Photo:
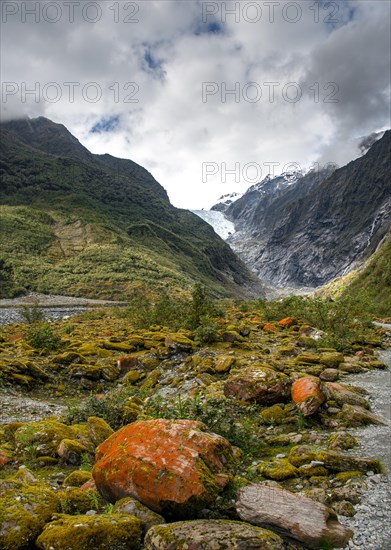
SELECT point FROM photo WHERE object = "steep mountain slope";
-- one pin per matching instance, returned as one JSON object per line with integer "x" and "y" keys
{"x": 370, "y": 282}
{"x": 94, "y": 225}
{"x": 320, "y": 226}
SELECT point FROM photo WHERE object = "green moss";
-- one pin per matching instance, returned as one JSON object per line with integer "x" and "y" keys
{"x": 24, "y": 510}
{"x": 78, "y": 501}
{"x": 43, "y": 436}
{"x": 77, "y": 478}
{"x": 279, "y": 469}
{"x": 100, "y": 532}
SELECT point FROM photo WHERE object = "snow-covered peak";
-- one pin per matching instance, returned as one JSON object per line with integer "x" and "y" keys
{"x": 225, "y": 201}
{"x": 270, "y": 184}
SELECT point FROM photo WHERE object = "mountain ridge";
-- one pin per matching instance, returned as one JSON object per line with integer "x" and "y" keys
{"x": 54, "y": 189}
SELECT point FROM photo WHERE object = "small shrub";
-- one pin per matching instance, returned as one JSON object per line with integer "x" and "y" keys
{"x": 207, "y": 331}
{"x": 110, "y": 408}
{"x": 32, "y": 314}
{"x": 43, "y": 337}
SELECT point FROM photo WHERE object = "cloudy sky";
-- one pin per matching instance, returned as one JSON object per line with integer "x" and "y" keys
{"x": 209, "y": 96}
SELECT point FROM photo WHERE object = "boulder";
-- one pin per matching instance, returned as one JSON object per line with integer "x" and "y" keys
{"x": 332, "y": 359}
{"x": 134, "y": 508}
{"x": 72, "y": 451}
{"x": 98, "y": 430}
{"x": 352, "y": 415}
{"x": 341, "y": 395}
{"x": 171, "y": 466}
{"x": 211, "y": 534}
{"x": 343, "y": 463}
{"x": 26, "y": 505}
{"x": 261, "y": 384}
{"x": 179, "y": 342}
{"x": 307, "y": 395}
{"x": 278, "y": 469}
{"x": 329, "y": 375}
{"x": 294, "y": 516}
{"x": 224, "y": 363}
{"x": 97, "y": 532}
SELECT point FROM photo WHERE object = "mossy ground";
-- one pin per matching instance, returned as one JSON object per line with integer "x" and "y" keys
{"x": 182, "y": 382}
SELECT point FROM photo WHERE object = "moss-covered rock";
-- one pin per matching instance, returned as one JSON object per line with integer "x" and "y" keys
{"x": 77, "y": 478}
{"x": 208, "y": 534}
{"x": 72, "y": 451}
{"x": 342, "y": 441}
{"x": 43, "y": 436}
{"x": 75, "y": 501}
{"x": 273, "y": 415}
{"x": 301, "y": 454}
{"x": 352, "y": 415}
{"x": 24, "y": 510}
{"x": 278, "y": 469}
{"x": 332, "y": 359}
{"x": 344, "y": 508}
{"x": 98, "y": 430}
{"x": 343, "y": 462}
{"x": 224, "y": 363}
{"x": 134, "y": 508}
{"x": 179, "y": 342}
{"x": 312, "y": 469}
{"x": 98, "y": 532}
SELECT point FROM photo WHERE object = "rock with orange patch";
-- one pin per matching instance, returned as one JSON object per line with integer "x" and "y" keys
{"x": 307, "y": 395}
{"x": 5, "y": 457}
{"x": 269, "y": 328}
{"x": 126, "y": 363}
{"x": 287, "y": 322}
{"x": 174, "y": 467}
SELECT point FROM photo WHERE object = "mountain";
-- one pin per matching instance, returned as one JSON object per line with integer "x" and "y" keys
{"x": 225, "y": 201}
{"x": 94, "y": 225}
{"x": 321, "y": 225}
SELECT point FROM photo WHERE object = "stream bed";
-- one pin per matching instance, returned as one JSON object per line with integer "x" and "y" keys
{"x": 372, "y": 522}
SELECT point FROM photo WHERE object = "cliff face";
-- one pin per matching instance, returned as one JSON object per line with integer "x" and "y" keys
{"x": 320, "y": 226}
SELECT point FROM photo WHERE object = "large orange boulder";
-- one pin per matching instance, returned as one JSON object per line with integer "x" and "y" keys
{"x": 260, "y": 384}
{"x": 307, "y": 394}
{"x": 174, "y": 467}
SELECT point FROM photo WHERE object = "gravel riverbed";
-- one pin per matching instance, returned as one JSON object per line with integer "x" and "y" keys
{"x": 372, "y": 522}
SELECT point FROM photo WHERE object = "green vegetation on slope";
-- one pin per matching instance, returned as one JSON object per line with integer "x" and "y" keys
{"x": 97, "y": 226}
{"x": 373, "y": 284}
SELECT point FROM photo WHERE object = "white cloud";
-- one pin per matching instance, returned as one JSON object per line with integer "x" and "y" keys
{"x": 172, "y": 51}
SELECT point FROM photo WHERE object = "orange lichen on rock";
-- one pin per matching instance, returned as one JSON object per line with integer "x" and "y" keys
{"x": 287, "y": 322}
{"x": 307, "y": 394}
{"x": 168, "y": 465}
{"x": 269, "y": 328}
